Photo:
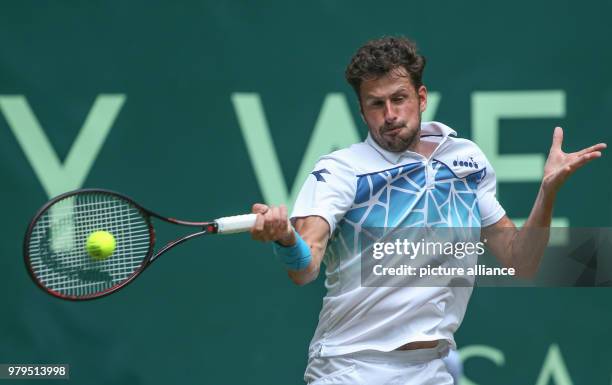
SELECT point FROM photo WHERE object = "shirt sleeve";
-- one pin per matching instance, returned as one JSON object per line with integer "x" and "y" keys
{"x": 328, "y": 192}
{"x": 490, "y": 209}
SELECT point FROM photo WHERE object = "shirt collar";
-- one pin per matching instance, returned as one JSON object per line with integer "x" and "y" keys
{"x": 427, "y": 129}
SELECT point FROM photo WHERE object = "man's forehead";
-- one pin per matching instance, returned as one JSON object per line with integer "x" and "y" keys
{"x": 389, "y": 83}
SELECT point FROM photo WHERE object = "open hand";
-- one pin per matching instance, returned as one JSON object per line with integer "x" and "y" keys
{"x": 560, "y": 165}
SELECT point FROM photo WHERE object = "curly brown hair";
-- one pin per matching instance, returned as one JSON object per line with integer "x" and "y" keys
{"x": 380, "y": 56}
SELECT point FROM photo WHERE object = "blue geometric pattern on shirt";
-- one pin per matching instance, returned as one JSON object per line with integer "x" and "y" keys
{"x": 399, "y": 197}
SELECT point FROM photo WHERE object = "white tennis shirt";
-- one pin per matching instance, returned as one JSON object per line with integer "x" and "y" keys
{"x": 367, "y": 186}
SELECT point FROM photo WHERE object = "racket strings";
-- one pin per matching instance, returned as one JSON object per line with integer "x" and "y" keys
{"x": 57, "y": 247}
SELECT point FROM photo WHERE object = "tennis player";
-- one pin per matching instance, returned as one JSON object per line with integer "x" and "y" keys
{"x": 406, "y": 173}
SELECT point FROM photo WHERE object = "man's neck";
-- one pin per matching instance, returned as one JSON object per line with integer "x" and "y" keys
{"x": 426, "y": 148}
{"x": 422, "y": 147}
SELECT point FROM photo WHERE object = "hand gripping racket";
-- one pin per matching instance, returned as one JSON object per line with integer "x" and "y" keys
{"x": 59, "y": 258}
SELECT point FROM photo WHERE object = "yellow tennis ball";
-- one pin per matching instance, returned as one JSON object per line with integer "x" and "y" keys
{"x": 100, "y": 244}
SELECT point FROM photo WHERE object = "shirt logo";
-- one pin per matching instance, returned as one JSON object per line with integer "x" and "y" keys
{"x": 318, "y": 175}
{"x": 465, "y": 163}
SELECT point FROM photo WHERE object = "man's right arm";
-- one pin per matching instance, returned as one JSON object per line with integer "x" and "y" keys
{"x": 272, "y": 224}
{"x": 314, "y": 230}
{"x": 326, "y": 195}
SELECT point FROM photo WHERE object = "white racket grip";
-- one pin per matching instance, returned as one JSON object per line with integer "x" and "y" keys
{"x": 235, "y": 224}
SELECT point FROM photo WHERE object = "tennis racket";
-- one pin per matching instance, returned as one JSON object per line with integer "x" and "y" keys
{"x": 55, "y": 244}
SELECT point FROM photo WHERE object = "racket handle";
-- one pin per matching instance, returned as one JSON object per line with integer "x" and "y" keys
{"x": 235, "y": 224}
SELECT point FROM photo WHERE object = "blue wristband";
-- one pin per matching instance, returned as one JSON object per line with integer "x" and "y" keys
{"x": 296, "y": 257}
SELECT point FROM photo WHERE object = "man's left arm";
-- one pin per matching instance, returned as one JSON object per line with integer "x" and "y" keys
{"x": 523, "y": 249}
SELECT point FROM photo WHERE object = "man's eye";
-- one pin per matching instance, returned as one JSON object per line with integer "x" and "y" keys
{"x": 378, "y": 103}
{"x": 398, "y": 99}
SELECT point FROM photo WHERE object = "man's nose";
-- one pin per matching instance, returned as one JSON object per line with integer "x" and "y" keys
{"x": 390, "y": 113}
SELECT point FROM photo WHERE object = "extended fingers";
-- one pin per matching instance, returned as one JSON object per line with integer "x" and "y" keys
{"x": 593, "y": 148}
{"x": 582, "y": 160}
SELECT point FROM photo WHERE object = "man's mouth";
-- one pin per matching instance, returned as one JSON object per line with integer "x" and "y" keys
{"x": 392, "y": 130}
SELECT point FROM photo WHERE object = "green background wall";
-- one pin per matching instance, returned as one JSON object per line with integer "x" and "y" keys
{"x": 221, "y": 310}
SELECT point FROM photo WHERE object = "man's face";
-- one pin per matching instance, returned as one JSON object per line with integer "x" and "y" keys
{"x": 392, "y": 108}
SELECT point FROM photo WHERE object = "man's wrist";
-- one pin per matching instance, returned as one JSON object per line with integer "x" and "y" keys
{"x": 288, "y": 240}
{"x": 548, "y": 193}
{"x": 542, "y": 211}
{"x": 296, "y": 256}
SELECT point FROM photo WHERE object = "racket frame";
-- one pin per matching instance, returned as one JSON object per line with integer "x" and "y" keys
{"x": 207, "y": 228}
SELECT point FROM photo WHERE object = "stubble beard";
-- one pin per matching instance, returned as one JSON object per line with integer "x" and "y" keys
{"x": 397, "y": 143}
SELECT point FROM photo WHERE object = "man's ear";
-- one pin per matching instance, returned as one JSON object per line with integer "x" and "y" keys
{"x": 422, "y": 92}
